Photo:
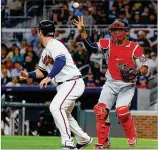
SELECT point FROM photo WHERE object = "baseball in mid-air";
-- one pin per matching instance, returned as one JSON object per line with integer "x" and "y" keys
{"x": 75, "y": 5}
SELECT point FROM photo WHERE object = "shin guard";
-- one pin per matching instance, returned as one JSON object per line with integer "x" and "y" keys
{"x": 103, "y": 124}
{"x": 125, "y": 119}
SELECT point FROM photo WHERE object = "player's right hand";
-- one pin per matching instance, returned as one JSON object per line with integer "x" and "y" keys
{"x": 79, "y": 23}
{"x": 23, "y": 75}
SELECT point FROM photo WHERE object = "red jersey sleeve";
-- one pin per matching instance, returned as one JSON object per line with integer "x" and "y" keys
{"x": 138, "y": 52}
{"x": 104, "y": 43}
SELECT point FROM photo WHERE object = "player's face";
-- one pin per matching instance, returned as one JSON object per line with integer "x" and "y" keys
{"x": 118, "y": 36}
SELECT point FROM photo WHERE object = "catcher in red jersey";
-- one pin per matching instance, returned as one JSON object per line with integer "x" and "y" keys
{"x": 125, "y": 62}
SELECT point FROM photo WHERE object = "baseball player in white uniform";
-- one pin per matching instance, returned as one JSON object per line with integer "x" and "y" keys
{"x": 56, "y": 63}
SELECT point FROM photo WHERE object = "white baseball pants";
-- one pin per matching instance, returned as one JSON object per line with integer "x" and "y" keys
{"x": 117, "y": 92}
{"x": 61, "y": 108}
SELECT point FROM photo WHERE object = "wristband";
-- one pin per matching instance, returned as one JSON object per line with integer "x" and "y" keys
{"x": 32, "y": 74}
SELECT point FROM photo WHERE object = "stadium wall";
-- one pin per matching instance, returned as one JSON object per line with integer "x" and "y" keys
{"x": 145, "y": 123}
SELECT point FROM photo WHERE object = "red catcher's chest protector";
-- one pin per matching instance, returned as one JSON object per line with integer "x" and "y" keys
{"x": 119, "y": 54}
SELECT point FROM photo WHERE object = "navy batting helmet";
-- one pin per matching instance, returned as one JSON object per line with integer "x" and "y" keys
{"x": 47, "y": 27}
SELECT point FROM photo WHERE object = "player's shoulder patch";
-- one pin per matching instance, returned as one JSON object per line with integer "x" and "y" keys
{"x": 104, "y": 43}
{"x": 142, "y": 59}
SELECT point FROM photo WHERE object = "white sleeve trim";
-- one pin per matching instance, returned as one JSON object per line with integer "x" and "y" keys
{"x": 134, "y": 51}
{"x": 100, "y": 47}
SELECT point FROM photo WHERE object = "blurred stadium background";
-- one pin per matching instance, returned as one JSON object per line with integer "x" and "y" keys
{"x": 25, "y": 107}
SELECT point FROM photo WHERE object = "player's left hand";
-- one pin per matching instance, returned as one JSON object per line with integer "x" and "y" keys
{"x": 44, "y": 82}
{"x": 79, "y": 23}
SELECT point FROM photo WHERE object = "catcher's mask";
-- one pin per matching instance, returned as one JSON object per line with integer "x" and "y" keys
{"x": 118, "y": 30}
{"x": 46, "y": 27}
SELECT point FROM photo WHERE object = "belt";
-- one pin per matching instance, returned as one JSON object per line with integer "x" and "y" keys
{"x": 76, "y": 77}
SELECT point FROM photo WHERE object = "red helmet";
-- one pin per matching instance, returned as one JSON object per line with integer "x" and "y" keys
{"x": 118, "y": 30}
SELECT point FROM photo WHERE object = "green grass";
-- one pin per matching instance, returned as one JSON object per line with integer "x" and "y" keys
{"x": 32, "y": 142}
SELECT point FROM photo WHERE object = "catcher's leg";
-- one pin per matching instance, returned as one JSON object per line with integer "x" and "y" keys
{"x": 122, "y": 109}
{"x": 106, "y": 100}
{"x": 127, "y": 123}
{"x": 103, "y": 125}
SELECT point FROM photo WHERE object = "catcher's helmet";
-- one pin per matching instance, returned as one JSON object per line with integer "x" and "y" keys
{"x": 47, "y": 27}
{"x": 119, "y": 24}
{"x": 118, "y": 30}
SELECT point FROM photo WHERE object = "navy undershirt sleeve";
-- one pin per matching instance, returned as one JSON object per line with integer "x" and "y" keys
{"x": 58, "y": 66}
{"x": 91, "y": 47}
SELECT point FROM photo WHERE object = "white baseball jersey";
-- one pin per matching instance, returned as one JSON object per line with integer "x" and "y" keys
{"x": 53, "y": 50}
{"x": 67, "y": 93}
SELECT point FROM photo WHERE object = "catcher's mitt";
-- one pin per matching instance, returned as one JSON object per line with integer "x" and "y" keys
{"x": 127, "y": 73}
